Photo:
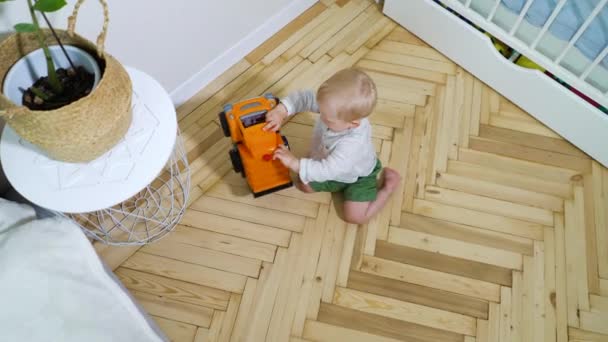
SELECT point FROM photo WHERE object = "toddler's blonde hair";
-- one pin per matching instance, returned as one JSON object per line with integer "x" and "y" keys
{"x": 350, "y": 92}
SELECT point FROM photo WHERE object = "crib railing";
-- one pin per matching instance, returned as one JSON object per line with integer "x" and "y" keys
{"x": 580, "y": 80}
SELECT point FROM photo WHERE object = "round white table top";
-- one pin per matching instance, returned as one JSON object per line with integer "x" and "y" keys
{"x": 108, "y": 180}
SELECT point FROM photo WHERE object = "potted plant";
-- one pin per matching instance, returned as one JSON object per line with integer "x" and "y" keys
{"x": 61, "y": 85}
{"x": 60, "y": 91}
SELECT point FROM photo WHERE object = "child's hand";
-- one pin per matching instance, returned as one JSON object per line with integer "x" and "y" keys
{"x": 287, "y": 158}
{"x": 275, "y": 117}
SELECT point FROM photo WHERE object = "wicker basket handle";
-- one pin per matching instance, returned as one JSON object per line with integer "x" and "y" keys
{"x": 12, "y": 111}
{"x": 106, "y": 19}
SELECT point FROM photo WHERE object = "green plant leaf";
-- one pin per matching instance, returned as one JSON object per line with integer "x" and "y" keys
{"x": 49, "y": 5}
{"x": 5, "y": 1}
{"x": 25, "y": 27}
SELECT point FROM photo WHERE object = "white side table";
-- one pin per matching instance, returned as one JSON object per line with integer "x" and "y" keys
{"x": 133, "y": 194}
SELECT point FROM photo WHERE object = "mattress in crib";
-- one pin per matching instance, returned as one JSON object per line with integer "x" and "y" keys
{"x": 565, "y": 25}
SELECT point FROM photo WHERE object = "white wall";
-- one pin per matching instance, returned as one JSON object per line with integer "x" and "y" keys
{"x": 184, "y": 44}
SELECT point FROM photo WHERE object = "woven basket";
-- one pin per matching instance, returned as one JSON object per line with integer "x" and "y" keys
{"x": 84, "y": 129}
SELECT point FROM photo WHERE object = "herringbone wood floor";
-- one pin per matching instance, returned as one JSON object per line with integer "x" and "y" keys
{"x": 499, "y": 231}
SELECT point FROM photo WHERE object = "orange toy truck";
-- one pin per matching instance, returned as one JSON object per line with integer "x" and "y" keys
{"x": 253, "y": 147}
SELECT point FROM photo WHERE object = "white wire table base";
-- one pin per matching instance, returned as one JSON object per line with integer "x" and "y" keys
{"x": 150, "y": 214}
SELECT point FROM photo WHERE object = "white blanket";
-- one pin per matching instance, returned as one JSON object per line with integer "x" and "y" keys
{"x": 53, "y": 287}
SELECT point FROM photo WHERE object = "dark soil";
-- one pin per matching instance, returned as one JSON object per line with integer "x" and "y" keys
{"x": 77, "y": 83}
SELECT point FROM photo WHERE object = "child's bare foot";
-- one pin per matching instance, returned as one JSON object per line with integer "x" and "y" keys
{"x": 362, "y": 212}
{"x": 390, "y": 179}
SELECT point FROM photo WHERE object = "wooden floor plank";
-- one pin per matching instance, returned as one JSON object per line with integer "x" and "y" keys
{"x": 173, "y": 289}
{"x": 186, "y": 272}
{"x": 331, "y": 250}
{"x": 476, "y": 107}
{"x": 114, "y": 256}
{"x": 269, "y": 217}
{"x": 213, "y": 87}
{"x": 403, "y": 84}
{"x": 530, "y": 154}
{"x": 411, "y": 61}
{"x": 417, "y": 294}
{"x": 501, "y": 192}
{"x": 483, "y": 330}
{"x": 600, "y": 202}
{"x": 319, "y": 331}
{"x": 591, "y": 245}
{"x": 539, "y": 291}
{"x": 505, "y": 314}
{"x": 490, "y": 205}
{"x": 325, "y": 30}
{"x": 493, "y": 333}
{"x": 467, "y": 104}
{"x": 578, "y": 335}
{"x": 212, "y": 335}
{"x": 433, "y": 279}
{"x": 295, "y": 38}
{"x": 285, "y": 33}
{"x": 221, "y": 96}
{"x": 457, "y": 106}
{"x": 400, "y": 34}
{"x": 455, "y": 248}
{"x": 594, "y": 321}
{"x": 411, "y": 175}
{"x": 503, "y": 121}
{"x": 550, "y": 266}
{"x": 531, "y": 140}
{"x": 405, "y": 311}
{"x": 461, "y": 267}
{"x": 338, "y": 42}
{"x": 241, "y": 194}
{"x": 223, "y": 243}
{"x": 284, "y": 308}
{"x": 347, "y": 255}
{"x": 205, "y": 257}
{"x": 309, "y": 290}
{"x": 238, "y": 228}
{"x": 243, "y": 315}
{"x": 426, "y": 150}
{"x": 400, "y": 159}
{"x": 229, "y": 317}
{"x": 469, "y": 234}
{"x": 445, "y": 119}
{"x": 516, "y": 165}
{"x": 176, "y": 331}
{"x": 561, "y": 297}
{"x": 533, "y": 184}
{"x": 401, "y": 70}
{"x": 478, "y": 219}
{"x": 383, "y": 326}
{"x": 517, "y": 302}
{"x": 178, "y": 311}
{"x": 412, "y": 50}
{"x": 266, "y": 291}
{"x": 380, "y": 30}
{"x": 576, "y": 255}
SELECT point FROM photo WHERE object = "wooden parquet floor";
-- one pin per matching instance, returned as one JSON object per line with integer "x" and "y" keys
{"x": 499, "y": 230}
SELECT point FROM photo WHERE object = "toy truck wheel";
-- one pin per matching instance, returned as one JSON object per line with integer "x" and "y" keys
{"x": 237, "y": 163}
{"x": 285, "y": 141}
{"x": 224, "y": 124}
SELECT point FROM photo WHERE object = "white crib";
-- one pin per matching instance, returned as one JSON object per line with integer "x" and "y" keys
{"x": 569, "y": 38}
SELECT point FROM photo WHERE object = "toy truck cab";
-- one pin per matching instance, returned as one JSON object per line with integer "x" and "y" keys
{"x": 253, "y": 147}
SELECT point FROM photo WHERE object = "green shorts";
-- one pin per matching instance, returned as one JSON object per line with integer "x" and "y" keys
{"x": 364, "y": 189}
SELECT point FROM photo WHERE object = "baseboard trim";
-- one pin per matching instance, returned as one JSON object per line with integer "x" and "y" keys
{"x": 237, "y": 52}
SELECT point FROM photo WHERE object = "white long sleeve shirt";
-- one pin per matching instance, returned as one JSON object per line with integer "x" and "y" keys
{"x": 338, "y": 156}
